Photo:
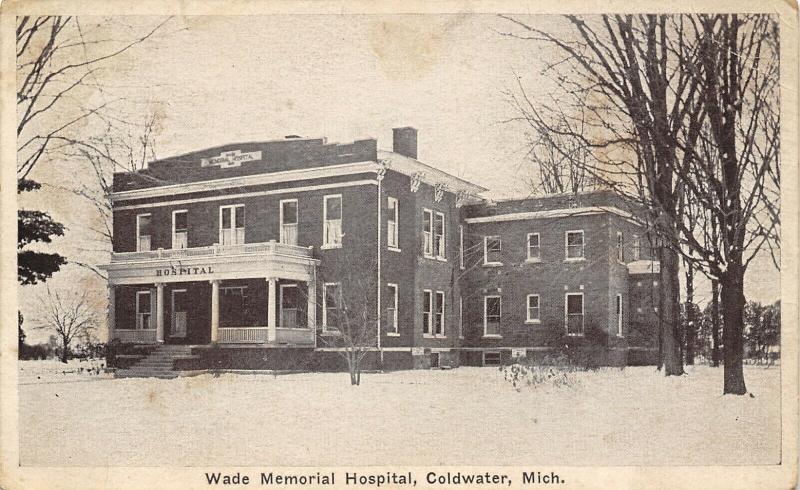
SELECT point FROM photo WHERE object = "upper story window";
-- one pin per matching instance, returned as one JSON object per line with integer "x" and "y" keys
{"x": 534, "y": 248}
{"x": 391, "y": 309}
{"x": 574, "y": 245}
{"x": 492, "y": 248}
{"x": 180, "y": 229}
{"x": 620, "y": 247}
{"x": 427, "y": 232}
{"x": 392, "y": 223}
{"x": 288, "y": 222}
{"x": 438, "y": 236}
{"x": 332, "y": 233}
{"x": 231, "y": 225}
{"x": 143, "y": 233}
{"x": 574, "y": 313}
{"x": 635, "y": 247}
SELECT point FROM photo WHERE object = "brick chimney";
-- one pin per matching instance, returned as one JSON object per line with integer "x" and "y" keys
{"x": 404, "y": 141}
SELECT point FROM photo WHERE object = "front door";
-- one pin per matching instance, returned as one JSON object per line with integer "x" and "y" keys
{"x": 178, "y": 313}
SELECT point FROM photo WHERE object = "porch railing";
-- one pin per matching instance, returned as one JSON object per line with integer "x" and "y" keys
{"x": 242, "y": 335}
{"x": 271, "y": 247}
{"x": 145, "y": 336}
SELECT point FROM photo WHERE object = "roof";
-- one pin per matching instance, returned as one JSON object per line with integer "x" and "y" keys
{"x": 410, "y": 166}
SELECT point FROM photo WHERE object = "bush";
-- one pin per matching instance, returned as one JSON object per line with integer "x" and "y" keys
{"x": 555, "y": 370}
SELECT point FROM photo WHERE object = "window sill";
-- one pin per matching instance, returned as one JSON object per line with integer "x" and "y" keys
{"x": 533, "y": 261}
{"x": 392, "y": 334}
{"x": 575, "y": 259}
{"x": 331, "y": 246}
{"x": 574, "y": 335}
{"x": 492, "y": 336}
{"x": 533, "y": 322}
{"x": 393, "y": 249}
{"x": 441, "y": 259}
{"x": 331, "y": 333}
{"x": 492, "y": 264}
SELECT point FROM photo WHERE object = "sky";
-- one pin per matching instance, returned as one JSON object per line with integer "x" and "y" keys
{"x": 215, "y": 80}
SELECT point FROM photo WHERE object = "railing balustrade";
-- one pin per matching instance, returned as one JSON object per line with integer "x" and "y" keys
{"x": 271, "y": 247}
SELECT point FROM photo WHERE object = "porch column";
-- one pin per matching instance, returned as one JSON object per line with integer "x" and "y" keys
{"x": 312, "y": 304}
{"x": 112, "y": 305}
{"x": 272, "y": 322}
{"x": 160, "y": 312}
{"x": 214, "y": 311}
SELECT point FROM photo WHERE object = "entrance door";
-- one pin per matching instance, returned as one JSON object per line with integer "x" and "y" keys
{"x": 178, "y": 313}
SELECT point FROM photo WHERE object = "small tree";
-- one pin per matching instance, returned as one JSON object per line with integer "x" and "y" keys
{"x": 70, "y": 315}
{"x": 351, "y": 314}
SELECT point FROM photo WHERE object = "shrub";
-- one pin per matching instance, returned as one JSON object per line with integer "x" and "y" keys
{"x": 555, "y": 370}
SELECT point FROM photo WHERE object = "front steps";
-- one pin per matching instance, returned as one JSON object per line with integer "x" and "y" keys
{"x": 159, "y": 364}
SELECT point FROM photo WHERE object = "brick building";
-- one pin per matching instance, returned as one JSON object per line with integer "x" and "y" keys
{"x": 232, "y": 257}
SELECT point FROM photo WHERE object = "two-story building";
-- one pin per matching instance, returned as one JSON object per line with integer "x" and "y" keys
{"x": 242, "y": 255}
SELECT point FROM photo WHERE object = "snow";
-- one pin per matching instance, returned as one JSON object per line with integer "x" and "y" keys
{"x": 461, "y": 416}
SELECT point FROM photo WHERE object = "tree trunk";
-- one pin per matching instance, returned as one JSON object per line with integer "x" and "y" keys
{"x": 64, "y": 350}
{"x": 733, "y": 329}
{"x": 691, "y": 332}
{"x": 715, "y": 323}
{"x": 671, "y": 316}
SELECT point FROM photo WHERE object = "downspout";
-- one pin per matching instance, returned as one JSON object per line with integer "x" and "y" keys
{"x": 380, "y": 174}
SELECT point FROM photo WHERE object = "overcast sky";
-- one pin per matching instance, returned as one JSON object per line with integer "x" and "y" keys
{"x": 217, "y": 80}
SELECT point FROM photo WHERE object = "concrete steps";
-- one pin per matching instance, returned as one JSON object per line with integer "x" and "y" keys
{"x": 159, "y": 364}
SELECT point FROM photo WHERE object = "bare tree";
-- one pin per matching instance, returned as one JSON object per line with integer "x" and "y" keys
{"x": 350, "y": 312}
{"x": 627, "y": 93}
{"x": 58, "y": 63}
{"x": 70, "y": 315}
{"x": 679, "y": 83}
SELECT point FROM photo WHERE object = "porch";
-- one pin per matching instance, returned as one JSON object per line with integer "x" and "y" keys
{"x": 260, "y": 294}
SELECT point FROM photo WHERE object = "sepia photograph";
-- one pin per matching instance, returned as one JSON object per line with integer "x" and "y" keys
{"x": 326, "y": 246}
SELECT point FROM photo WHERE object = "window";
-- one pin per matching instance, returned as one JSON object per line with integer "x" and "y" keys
{"x": 333, "y": 221}
{"x": 331, "y": 302}
{"x": 143, "y": 237}
{"x": 574, "y": 245}
{"x": 180, "y": 229}
{"x": 427, "y": 232}
{"x": 427, "y": 312}
{"x": 574, "y": 313}
{"x": 438, "y": 318}
{"x": 143, "y": 310}
{"x": 290, "y": 300}
{"x": 492, "y": 358}
{"x": 231, "y": 225}
{"x": 288, "y": 219}
{"x": 533, "y": 308}
{"x": 534, "y": 250}
{"x": 391, "y": 310}
{"x": 618, "y": 308}
{"x": 492, "y": 247}
{"x": 492, "y": 309}
{"x": 438, "y": 236}
{"x": 460, "y": 317}
{"x": 636, "y": 246}
{"x": 461, "y": 246}
{"x": 620, "y": 247}
{"x": 392, "y": 228}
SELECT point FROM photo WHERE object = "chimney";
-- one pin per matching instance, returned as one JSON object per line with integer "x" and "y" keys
{"x": 404, "y": 141}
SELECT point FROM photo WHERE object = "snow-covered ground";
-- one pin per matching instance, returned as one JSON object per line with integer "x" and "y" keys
{"x": 463, "y": 416}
